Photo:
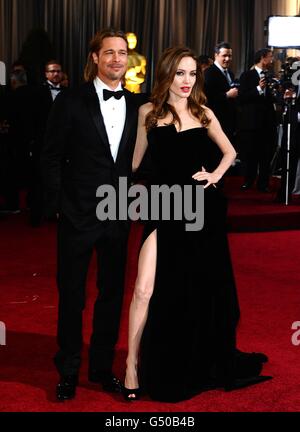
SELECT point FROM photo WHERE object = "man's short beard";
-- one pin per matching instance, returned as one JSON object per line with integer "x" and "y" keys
{"x": 115, "y": 76}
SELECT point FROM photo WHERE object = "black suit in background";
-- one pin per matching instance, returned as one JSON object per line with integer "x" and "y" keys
{"x": 256, "y": 129}
{"x": 76, "y": 160}
{"x": 42, "y": 106}
{"x": 216, "y": 86}
{"x": 17, "y": 108}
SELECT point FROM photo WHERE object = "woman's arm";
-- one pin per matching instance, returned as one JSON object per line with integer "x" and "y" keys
{"x": 217, "y": 135}
{"x": 141, "y": 143}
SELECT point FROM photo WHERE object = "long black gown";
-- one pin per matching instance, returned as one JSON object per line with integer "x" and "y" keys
{"x": 188, "y": 342}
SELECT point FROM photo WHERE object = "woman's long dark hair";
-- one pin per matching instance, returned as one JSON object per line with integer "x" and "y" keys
{"x": 165, "y": 73}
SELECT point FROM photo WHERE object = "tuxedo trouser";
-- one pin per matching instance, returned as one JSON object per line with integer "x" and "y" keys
{"x": 75, "y": 250}
{"x": 256, "y": 153}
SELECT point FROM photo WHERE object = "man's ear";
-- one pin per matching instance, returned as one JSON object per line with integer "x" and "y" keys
{"x": 95, "y": 58}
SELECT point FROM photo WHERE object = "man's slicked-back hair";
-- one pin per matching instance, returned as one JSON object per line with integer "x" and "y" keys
{"x": 221, "y": 45}
{"x": 51, "y": 62}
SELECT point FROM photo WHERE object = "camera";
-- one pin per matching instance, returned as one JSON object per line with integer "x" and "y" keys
{"x": 269, "y": 78}
{"x": 273, "y": 84}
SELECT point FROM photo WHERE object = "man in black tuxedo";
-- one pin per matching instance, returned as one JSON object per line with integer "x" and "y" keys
{"x": 257, "y": 122}
{"x": 89, "y": 142}
{"x": 220, "y": 90}
{"x": 43, "y": 101}
{"x": 48, "y": 91}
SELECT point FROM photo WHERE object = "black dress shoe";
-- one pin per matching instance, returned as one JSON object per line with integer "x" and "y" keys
{"x": 108, "y": 381}
{"x": 66, "y": 388}
{"x": 246, "y": 186}
{"x": 263, "y": 189}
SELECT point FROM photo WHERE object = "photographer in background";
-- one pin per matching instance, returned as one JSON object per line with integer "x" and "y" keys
{"x": 257, "y": 122}
{"x": 220, "y": 89}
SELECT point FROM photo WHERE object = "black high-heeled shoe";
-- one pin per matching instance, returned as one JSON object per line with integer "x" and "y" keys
{"x": 131, "y": 394}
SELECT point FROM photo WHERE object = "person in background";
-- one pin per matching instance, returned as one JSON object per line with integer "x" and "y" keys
{"x": 205, "y": 61}
{"x": 18, "y": 116}
{"x": 65, "y": 80}
{"x": 45, "y": 97}
{"x": 257, "y": 122}
{"x": 221, "y": 90}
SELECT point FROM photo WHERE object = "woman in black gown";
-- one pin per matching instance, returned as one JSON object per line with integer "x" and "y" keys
{"x": 183, "y": 314}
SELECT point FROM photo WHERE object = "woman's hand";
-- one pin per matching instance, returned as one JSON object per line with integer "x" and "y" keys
{"x": 203, "y": 175}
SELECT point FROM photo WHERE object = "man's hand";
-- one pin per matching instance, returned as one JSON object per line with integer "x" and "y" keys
{"x": 262, "y": 83}
{"x": 232, "y": 93}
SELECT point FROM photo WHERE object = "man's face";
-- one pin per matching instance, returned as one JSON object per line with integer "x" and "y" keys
{"x": 268, "y": 60}
{"x": 224, "y": 57}
{"x": 111, "y": 60}
{"x": 54, "y": 73}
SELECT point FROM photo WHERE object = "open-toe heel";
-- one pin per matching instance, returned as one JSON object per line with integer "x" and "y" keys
{"x": 131, "y": 394}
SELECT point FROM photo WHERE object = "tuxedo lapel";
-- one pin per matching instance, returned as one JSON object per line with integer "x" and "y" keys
{"x": 93, "y": 106}
{"x": 220, "y": 74}
{"x": 255, "y": 77}
{"x": 130, "y": 115}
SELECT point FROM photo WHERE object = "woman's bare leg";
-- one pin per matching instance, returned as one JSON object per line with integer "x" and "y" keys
{"x": 139, "y": 307}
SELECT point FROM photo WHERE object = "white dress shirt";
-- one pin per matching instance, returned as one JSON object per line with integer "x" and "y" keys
{"x": 259, "y": 89}
{"x": 114, "y": 114}
{"x": 54, "y": 93}
{"x": 224, "y": 71}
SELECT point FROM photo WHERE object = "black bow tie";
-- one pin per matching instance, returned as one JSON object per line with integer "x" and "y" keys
{"x": 107, "y": 94}
{"x": 51, "y": 87}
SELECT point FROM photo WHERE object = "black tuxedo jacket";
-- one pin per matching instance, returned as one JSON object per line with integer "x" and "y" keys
{"x": 215, "y": 87}
{"x": 42, "y": 106}
{"x": 255, "y": 111}
{"x": 76, "y": 158}
{"x": 45, "y": 99}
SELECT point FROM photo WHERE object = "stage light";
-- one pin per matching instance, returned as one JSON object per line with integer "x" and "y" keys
{"x": 283, "y": 31}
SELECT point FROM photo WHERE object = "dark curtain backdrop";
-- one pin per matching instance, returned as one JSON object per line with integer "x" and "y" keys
{"x": 158, "y": 24}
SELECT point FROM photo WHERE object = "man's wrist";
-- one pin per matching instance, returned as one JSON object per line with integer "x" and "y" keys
{"x": 260, "y": 90}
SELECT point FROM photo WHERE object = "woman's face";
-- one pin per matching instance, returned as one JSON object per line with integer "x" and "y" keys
{"x": 185, "y": 78}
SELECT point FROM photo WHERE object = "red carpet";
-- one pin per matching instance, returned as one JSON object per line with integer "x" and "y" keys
{"x": 254, "y": 211}
{"x": 266, "y": 267}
